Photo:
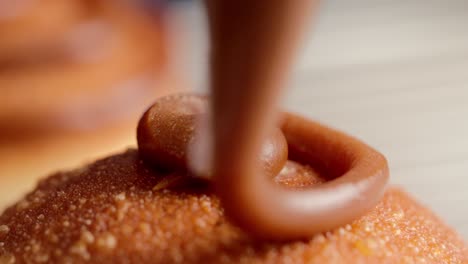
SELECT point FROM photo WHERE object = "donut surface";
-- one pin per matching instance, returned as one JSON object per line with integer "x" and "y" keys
{"x": 119, "y": 210}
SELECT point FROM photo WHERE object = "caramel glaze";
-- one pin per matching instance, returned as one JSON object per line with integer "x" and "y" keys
{"x": 358, "y": 174}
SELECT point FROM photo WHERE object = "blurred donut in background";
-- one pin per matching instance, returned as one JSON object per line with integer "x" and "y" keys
{"x": 104, "y": 68}
{"x": 74, "y": 76}
{"x": 27, "y": 26}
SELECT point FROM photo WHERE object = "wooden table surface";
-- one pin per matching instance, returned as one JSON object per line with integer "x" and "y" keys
{"x": 395, "y": 74}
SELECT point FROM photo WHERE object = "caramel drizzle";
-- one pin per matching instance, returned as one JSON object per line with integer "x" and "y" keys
{"x": 254, "y": 201}
{"x": 252, "y": 48}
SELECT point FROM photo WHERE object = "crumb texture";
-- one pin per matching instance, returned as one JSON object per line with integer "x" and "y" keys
{"x": 117, "y": 210}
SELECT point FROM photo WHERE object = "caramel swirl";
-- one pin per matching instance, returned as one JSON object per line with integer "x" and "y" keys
{"x": 253, "y": 201}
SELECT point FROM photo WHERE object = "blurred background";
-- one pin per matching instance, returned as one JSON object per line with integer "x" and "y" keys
{"x": 392, "y": 72}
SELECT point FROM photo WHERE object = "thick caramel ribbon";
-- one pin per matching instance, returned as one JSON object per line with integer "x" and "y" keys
{"x": 254, "y": 201}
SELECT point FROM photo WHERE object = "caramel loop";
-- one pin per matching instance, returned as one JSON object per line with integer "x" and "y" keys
{"x": 257, "y": 204}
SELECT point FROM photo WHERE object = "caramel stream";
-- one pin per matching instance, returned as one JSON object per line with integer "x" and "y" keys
{"x": 252, "y": 47}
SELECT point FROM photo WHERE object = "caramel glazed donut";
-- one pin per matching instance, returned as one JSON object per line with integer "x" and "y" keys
{"x": 95, "y": 57}
{"x": 147, "y": 206}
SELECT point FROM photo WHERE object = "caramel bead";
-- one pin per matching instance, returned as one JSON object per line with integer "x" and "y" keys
{"x": 168, "y": 127}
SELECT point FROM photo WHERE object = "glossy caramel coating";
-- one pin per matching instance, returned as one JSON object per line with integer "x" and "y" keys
{"x": 118, "y": 210}
{"x": 167, "y": 129}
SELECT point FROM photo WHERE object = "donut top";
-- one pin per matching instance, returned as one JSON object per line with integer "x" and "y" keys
{"x": 119, "y": 209}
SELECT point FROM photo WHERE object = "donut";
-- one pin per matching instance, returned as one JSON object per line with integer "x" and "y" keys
{"x": 127, "y": 208}
{"x": 122, "y": 210}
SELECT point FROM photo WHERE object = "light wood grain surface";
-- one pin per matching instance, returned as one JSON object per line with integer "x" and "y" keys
{"x": 395, "y": 74}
